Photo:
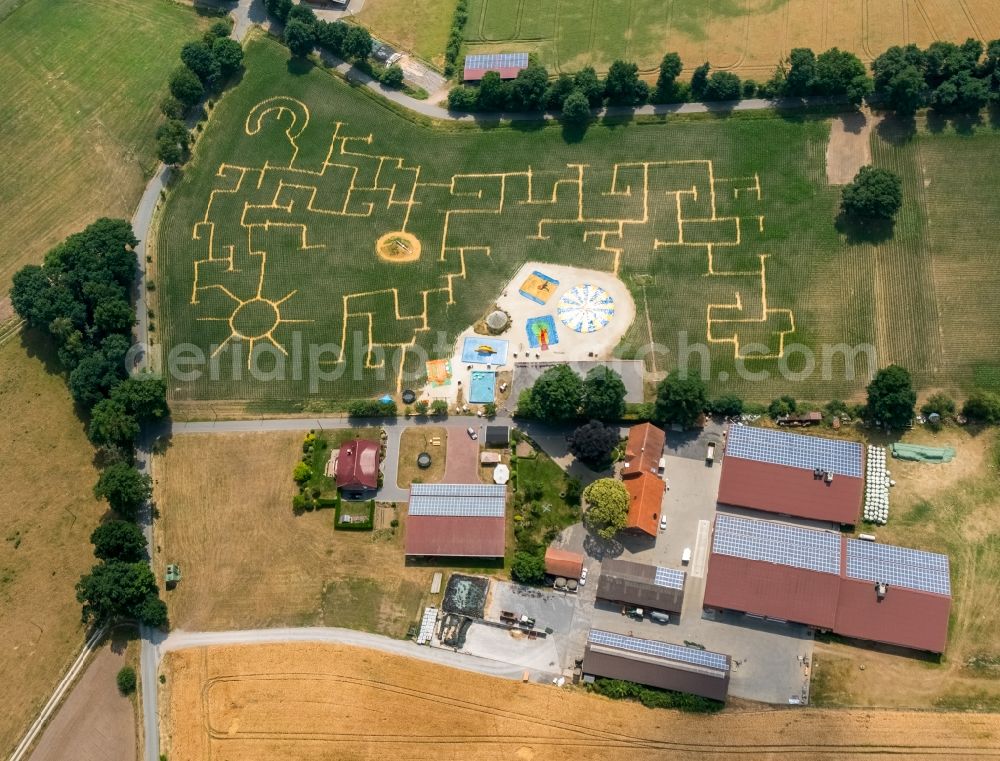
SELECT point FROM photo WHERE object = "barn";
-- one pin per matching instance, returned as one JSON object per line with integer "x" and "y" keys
{"x": 852, "y": 587}
{"x": 793, "y": 474}
{"x": 507, "y": 65}
{"x": 456, "y": 520}
{"x": 645, "y": 586}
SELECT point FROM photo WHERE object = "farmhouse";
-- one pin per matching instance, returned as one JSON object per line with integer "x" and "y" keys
{"x": 646, "y": 586}
{"x": 640, "y": 474}
{"x": 657, "y": 664}
{"x": 853, "y": 587}
{"x": 456, "y": 520}
{"x": 507, "y": 65}
{"x": 563, "y": 563}
{"x": 793, "y": 474}
{"x": 356, "y": 467}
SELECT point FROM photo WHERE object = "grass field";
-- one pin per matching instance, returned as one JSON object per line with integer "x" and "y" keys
{"x": 418, "y": 26}
{"x": 948, "y": 508}
{"x": 412, "y": 443}
{"x": 306, "y": 702}
{"x": 81, "y": 86}
{"x": 226, "y": 519}
{"x": 748, "y": 37}
{"x": 722, "y": 227}
{"x": 46, "y": 515}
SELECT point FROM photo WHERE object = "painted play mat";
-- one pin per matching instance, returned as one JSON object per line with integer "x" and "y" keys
{"x": 542, "y": 332}
{"x": 484, "y": 351}
{"x": 439, "y": 372}
{"x": 538, "y": 287}
{"x": 586, "y": 308}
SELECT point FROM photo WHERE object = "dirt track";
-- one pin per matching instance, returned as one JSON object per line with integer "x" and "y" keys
{"x": 308, "y": 702}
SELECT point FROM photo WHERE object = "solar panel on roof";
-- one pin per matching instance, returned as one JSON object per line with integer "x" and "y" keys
{"x": 458, "y": 500}
{"x": 898, "y": 566}
{"x": 663, "y": 650}
{"x": 809, "y": 452}
{"x": 456, "y": 490}
{"x": 779, "y": 543}
{"x": 496, "y": 60}
{"x": 668, "y": 577}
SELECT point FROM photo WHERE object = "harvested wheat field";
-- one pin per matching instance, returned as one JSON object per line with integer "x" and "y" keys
{"x": 308, "y": 702}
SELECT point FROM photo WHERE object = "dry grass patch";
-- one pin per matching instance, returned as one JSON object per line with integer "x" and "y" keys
{"x": 413, "y": 442}
{"x": 226, "y": 518}
{"x": 308, "y": 702}
{"x": 47, "y": 513}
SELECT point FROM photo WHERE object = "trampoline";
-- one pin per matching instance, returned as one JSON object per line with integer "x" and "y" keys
{"x": 542, "y": 332}
{"x": 586, "y": 308}
{"x": 482, "y": 387}
{"x": 479, "y": 350}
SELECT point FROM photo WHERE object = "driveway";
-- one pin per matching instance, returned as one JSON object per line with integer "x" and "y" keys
{"x": 462, "y": 466}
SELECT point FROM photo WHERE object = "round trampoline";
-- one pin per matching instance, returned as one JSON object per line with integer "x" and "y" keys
{"x": 423, "y": 460}
{"x": 409, "y": 397}
{"x": 586, "y": 308}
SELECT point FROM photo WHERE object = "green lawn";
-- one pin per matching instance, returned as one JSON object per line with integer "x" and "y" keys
{"x": 722, "y": 227}
{"x": 418, "y": 26}
{"x": 82, "y": 81}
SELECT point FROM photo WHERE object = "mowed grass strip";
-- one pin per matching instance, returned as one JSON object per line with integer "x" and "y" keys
{"x": 82, "y": 82}
{"x": 46, "y": 515}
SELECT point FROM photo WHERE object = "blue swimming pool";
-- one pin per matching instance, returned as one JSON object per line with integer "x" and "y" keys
{"x": 482, "y": 387}
{"x": 479, "y": 350}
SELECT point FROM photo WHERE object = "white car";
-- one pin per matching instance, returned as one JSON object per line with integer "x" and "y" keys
{"x": 663, "y": 523}
{"x": 472, "y": 433}
{"x": 583, "y": 577}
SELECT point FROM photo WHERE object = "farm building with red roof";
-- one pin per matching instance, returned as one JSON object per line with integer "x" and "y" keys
{"x": 640, "y": 475}
{"x": 507, "y": 65}
{"x": 456, "y": 520}
{"x": 563, "y": 563}
{"x": 356, "y": 466}
{"x": 853, "y": 587}
{"x": 792, "y": 474}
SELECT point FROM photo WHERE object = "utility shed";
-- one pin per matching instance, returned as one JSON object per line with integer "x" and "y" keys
{"x": 456, "y": 520}
{"x": 647, "y": 586}
{"x": 657, "y": 664}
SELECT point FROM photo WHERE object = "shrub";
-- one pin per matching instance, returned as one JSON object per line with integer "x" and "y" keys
{"x": 939, "y": 403}
{"x": 439, "y": 407}
{"x": 455, "y": 36}
{"x": 126, "y": 680}
{"x": 392, "y": 77}
{"x": 783, "y": 405}
{"x": 727, "y": 405}
{"x": 528, "y": 568}
{"x": 371, "y": 408}
{"x": 652, "y": 697}
{"x": 575, "y": 108}
{"x": 421, "y": 407}
{"x": 983, "y": 406}
{"x": 722, "y": 85}
{"x": 302, "y": 473}
{"x": 462, "y": 98}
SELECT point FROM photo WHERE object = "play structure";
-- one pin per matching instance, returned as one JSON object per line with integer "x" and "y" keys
{"x": 542, "y": 332}
{"x": 538, "y": 287}
{"x": 439, "y": 372}
{"x": 484, "y": 351}
{"x": 586, "y": 308}
{"x": 482, "y": 387}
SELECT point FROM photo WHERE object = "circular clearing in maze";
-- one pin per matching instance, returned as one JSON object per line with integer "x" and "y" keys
{"x": 398, "y": 247}
{"x": 255, "y": 318}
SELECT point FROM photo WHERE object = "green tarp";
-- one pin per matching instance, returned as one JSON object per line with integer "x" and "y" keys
{"x": 922, "y": 454}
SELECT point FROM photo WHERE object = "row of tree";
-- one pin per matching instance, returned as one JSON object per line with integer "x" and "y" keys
{"x": 560, "y": 394}
{"x": 80, "y": 297}
{"x": 206, "y": 65}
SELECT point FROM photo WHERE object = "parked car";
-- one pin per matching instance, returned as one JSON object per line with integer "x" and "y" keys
{"x": 472, "y": 433}
{"x": 583, "y": 577}
{"x": 659, "y": 617}
{"x": 663, "y": 523}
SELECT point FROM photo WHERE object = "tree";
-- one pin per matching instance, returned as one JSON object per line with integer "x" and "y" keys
{"x": 723, "y": 85}
{"x": 558, "y": 91}
{"x": 144, "y": 396}
{"x": 982, "y": 406}
{"x": 666, "y": 80}
{"x": 800, "y": 77}
{"x": 587, "y": 82}
{"x": 899, "y": 79}
{"x": 392, "y": 77}
{"x": 439, "y": 407}
{"x": 216, "y": 31}
{"x": 494, "y": 93}
{"x": 839, "y": 72}
{"x": 462, "y": 98}
{"x": 727, "y": 405}
{"x": 114, "y": 588}
{"x": 873, "y": 194}
{"x": 593, "y": 443}
{"x": 198, "y": 57}
{"x": 576, "y": 109}
{"x": 185, "y": 86}
{"x": 607, "y": 507}
{"x": 278, "y": 8}
{"x": 125, "y": 489}
{"x": 963, "y": 93}
{"x": 528, "y": 568}
{"x": 94, "y": 377}
{"x": 529, "y": 90}
{"x": 330, "y": 35}
{"x": 172, "y": 108}
{"x": 623, "y": 86}
{"x": 556, "y": 394}
{"x": 784, "y": 405}
{"x": 679, "y": 400}
{"x": 891, "y": 398}
{"x": 300, "y": 37}
{"x": 699, "y": 81}
{"x": 172, "y": 140}
{"x": 119, "y": 540}
{"x": 490, "y": 409}
{"x": 126, "y": 680}
{"x": 153, "y": 612}
{"x": 603, "y": 395}
{"x": 169, "y": 153}
{"x": 940, "y": 404}
{"x": 302, "y": 12}
{"x": 229, "y": 53}
{"x": 111, "y": 424}
{"x": 357, "y": 43}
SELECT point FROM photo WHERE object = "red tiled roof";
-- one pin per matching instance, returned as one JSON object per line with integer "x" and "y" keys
{"x": 644, "y": 448}
{"x": 447, "y": 536}
{"x": 904, "y": 616}
{"x": 357, "y": 465}
{"x": 645, "y": 497}
{"x": 563, "y": 563}
{"x": 789, "y": 491}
